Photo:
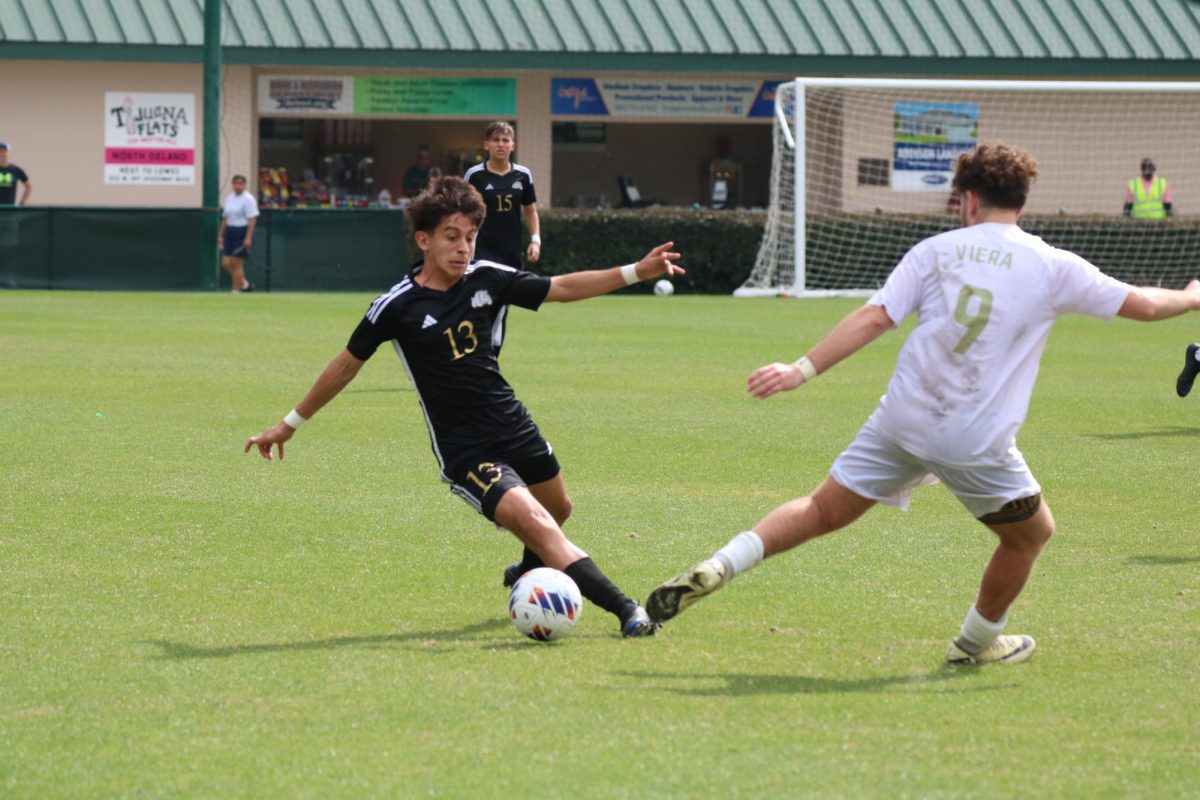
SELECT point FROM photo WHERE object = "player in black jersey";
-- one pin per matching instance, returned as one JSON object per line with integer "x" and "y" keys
{"x": 508, "y": 193}
{"x": 446, "y": 321}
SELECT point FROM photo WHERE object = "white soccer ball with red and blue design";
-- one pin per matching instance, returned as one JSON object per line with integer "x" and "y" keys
{"x": 545, "y": 604}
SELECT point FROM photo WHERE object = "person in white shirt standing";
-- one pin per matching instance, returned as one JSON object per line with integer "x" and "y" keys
{"x": 986, "y": 296}
{"x": 239, "y": 215}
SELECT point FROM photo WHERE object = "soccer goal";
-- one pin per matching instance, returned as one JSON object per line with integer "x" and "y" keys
{"x": 862, "y": 170}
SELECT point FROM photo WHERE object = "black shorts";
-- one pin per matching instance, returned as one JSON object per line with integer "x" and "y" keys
{"x": 481, "y": 481}
{"x": 235, "y": 243}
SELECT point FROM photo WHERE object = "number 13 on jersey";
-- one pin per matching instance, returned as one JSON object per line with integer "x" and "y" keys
{"x": 465, "y": 343}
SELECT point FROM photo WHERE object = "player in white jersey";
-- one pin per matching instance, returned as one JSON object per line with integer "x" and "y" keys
{"x": 986, "y": 296}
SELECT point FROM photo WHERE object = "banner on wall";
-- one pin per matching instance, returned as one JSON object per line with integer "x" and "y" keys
{"x": 679, "y": 98}
{"x": 300, "y": 94}
{"x": 149, "y": 138}
{"x": 386, "y": 94}
{"x": 929, "y": 137}
{"x": 443, "y": 97}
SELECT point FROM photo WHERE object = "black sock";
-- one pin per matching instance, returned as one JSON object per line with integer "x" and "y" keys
{"x": 600, "y": 590}
{"x": 530, "y": 560}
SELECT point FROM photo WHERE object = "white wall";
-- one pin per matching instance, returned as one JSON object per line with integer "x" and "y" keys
{"x": 54, "y": 121}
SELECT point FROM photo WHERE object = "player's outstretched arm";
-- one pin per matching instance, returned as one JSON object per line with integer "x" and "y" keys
{"x": 336, "y": 375}
{"x": 595, "y": 282}
{"x": 1150, "y": 304}
{"x": 858, "y": 329}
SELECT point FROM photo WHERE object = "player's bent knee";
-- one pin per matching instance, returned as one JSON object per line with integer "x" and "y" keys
{"x": 1017, "y": 510}
{"x": 562, "y": 511}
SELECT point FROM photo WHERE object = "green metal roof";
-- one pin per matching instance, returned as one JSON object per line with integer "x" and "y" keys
{"x": 1105, "y": 37}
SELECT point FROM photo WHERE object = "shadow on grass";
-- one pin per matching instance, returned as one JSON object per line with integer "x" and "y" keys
{"x": 1177, "y": 430}
{"x": 737, "y": 684}
{"x": 467, "y": 633}
{"x": 1161, "y": 561}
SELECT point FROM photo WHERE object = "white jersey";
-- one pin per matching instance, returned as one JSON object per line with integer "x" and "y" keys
{"x": 239, "y": 210}
{"x": 986, "y": 297}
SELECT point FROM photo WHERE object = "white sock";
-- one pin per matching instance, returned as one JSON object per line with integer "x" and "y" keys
{"x": 744, "y": 551}
{"x": 977, "y": 633}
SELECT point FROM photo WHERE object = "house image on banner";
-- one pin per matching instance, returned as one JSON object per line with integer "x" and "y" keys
{"x": 939, "y": 123}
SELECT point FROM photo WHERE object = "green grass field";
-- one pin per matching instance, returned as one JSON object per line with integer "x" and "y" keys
{"x": 178, "y": 619}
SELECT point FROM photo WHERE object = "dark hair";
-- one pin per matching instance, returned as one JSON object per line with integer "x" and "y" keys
{"x": 241, "y": 178}
{"x": 1000, "y": 174}
{"x": 498, "y": 127}
{"x": 445, "y": 197}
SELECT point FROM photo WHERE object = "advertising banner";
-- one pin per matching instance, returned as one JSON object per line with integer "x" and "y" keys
{"x": 929, "y": 137}
{"x": 674, "y": 97}
{"x": 149, "y": 138}
{"x": 300, "y": 94}
{"x": 442, "y": 97}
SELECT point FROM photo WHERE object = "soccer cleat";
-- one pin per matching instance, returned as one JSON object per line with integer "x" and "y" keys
{"x": 1191, "y": 368}
{"x": 681, "y": 591}
{"x": 249, "y": 287}
{"x": 512, "y": 572}
{"x": 1006, "y": 649}
{"x": 639, "y": 624}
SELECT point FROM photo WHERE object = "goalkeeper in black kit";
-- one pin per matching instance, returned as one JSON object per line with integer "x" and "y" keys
{"x": 446, "y": 321}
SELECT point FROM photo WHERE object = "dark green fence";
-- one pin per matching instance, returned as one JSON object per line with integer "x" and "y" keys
{"x": 329, "y": 251}
{"x": 94, "y": 248}
{"x": 368, "y": 250}
{"x": 164, "y": 249}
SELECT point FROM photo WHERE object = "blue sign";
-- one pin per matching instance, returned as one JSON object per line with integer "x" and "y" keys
{"x": 580, "y": 96}
{"x": 764, "y": 102}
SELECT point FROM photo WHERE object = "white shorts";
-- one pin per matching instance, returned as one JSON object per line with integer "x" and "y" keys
{"x": 877, "y": 469}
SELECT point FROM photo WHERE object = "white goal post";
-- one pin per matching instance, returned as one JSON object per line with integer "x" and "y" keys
{"x": 861, "y": 171}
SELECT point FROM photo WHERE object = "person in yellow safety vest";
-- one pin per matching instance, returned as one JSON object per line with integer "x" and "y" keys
{"x": 1148, "y": 197}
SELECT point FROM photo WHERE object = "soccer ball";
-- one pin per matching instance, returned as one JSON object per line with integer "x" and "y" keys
{"x": 545, "y": 604}
{"x": 663, "y": 288}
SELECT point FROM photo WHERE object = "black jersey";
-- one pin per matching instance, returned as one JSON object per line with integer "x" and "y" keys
{"x": 448, "y": 342}
{"x": 9, "y": 177}
{"x": 501, "y": 235}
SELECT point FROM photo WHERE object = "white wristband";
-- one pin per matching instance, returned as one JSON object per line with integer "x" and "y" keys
{"x": 293, "y": 420}
{"x": 536, "y": 238}
{"x": 629, "y": 273}
{"x": 806, "y": 368}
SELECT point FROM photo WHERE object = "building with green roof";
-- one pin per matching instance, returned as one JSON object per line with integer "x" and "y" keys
{"x": 341, "y": 92}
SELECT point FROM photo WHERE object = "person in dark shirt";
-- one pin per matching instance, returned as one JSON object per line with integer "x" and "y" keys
{"x": 445, "y": 319}
{"x": 416, "y": 177}
{"x": 508, "y": 193}
{"x": 10, "y": 176}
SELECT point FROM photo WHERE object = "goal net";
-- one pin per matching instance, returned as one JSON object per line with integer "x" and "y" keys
{"x": 862, "y": 171}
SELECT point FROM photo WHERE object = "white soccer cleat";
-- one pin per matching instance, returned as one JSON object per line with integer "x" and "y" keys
{"x": 1006, "y": 649}
{"x": 684, "y": 589}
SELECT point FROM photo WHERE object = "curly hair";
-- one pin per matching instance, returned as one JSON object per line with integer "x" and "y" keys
{"x": 1000, "y": 174}
{"x": 445, "y": 197}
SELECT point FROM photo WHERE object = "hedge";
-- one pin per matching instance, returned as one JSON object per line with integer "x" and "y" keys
{"x": 718, "y": 247}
